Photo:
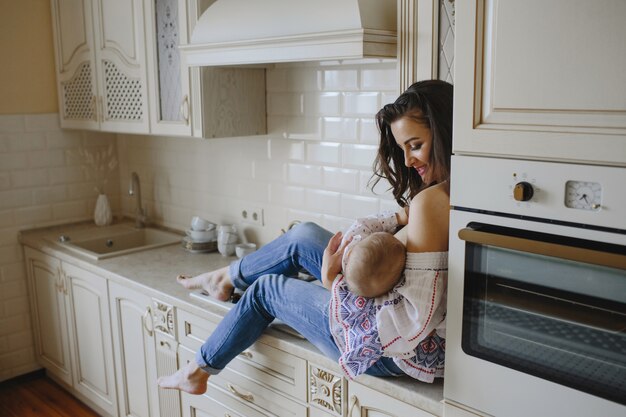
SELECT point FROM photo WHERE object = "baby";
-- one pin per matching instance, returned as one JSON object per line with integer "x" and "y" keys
{"x": 373, "y": 260}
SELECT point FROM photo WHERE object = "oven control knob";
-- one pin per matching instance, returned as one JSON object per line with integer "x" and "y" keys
{"x": 523, "y": 191}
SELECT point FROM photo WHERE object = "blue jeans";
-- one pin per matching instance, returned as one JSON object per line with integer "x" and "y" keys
{"x": 272, "y": 293}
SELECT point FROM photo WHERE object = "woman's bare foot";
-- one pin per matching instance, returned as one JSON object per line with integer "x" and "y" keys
{"x": 189, "y": 379}
{"x": 216, "y": 283}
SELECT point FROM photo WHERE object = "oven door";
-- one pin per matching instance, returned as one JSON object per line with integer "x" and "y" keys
{"x": 538, "y": 325}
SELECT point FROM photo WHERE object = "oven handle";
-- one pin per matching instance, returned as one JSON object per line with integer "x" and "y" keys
{"x": 590, "y": 256}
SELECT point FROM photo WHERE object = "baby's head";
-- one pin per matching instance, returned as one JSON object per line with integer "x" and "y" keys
{"x": 374, "y": 264}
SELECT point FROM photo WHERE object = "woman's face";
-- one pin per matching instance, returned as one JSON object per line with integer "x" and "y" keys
{"x": 415, "y": 140}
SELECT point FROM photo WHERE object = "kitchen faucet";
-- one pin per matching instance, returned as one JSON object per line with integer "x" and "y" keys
{"x": 135, "y": 189}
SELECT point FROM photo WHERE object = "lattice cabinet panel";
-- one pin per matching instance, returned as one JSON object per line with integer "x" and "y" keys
{"x": 123, "y": 97}
{"x": 78, "y": 97}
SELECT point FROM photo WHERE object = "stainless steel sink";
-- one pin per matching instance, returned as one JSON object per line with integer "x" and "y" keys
{"x": 110, "y": 241}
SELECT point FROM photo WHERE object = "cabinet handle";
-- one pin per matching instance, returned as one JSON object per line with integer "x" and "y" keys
{"x": 353, "y": 403}
{"x": 245, "y": 397}
{"x": 226, "y": 415}
{"x": 144, "y": 320}
{"x": 62, "y": 281}
{"x": 57, "y": 279}
{"x": 184, "y": 109}
{"x": 166, "y": 344}
{"x": 246, "y": 354}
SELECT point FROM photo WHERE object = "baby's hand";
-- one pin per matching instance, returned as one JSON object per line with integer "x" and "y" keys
{"x": 331, "y": 261}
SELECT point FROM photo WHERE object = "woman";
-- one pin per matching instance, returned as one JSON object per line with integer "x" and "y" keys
{"x": 414, "y": 156}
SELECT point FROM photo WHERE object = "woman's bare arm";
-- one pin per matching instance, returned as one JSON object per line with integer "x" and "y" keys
{"x": 429, "y": 216}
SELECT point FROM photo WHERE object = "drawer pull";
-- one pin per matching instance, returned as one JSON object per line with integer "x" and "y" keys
{"x": 246, "y": 354}
{"x": 245, "y": 397}
{"x": 353, "y": 403}
{"x": 144, "y": 319}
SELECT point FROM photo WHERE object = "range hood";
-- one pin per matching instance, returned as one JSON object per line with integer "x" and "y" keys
{"x": 237, "y": 32}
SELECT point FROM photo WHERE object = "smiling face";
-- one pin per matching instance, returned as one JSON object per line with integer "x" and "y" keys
{"x": 415, "y": 139}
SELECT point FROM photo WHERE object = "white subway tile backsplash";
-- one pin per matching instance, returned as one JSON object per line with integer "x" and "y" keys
{"x": 303, "y": 216}
{"x": 42, "y": 122}
{"x": 33, "y": 215}
{"x": 304, "y": 174}
{"x": 66, "y": 139}
{"x": 323, "y": 153}
{"x": 12, "y": 123}
{"x": 368, "y": 131}
{"x": 71, "y": 210}
{"x": 353, "y": 206}
{"x": 380, "y": 79}
{"x": 319, "y": 201}
{"x": 342, "y": 179}
{"x": 18, "y": 142}
{"x": 52, "y": 194}
{"x": 304, "y": 79}
{"x": 15, "y": 198}
{"x": 12, "y": 272}
{"x": 322, "y": 103}
{"x": 340, "y": 129}
{"x": 307, "y": 127}
{"x": 5, "y": 181}
{"x": 6, "y": 218}
{"x": 29, "y": 178}
{"x": 287, "y": 195}
{"x": 341, "y": 80}
{"x": 254, "y": 191}
{"x": 285, "y": 149}
{"x": 389, "y": 205}
{"x": 387, "y": 98}
{"x": 366, "y": 104}
{"x": 46, "y": 158}
{"x": 13, "y": 160}
{"x": 285, "y": 104}
{"x": 67, "y": 175}
{"x": 267, "y": 171}
{"x": 361, "y": 156}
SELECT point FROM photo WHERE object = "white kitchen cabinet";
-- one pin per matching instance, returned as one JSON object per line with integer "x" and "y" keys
{"x": 168, "y": 81}
{"x": 72, "y": 328}
{"x": 541, "y": 80}
{"x": 135, "y": 352}
{"x": 90, "y": 333}
{"x": 366, "y": 402}
{"x": 101, "y": 64}
{"x": 52, "y": 343}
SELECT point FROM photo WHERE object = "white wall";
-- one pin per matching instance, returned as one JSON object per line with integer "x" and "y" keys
{"x": 41, "y": 183}
{"x": 313, "y": 165}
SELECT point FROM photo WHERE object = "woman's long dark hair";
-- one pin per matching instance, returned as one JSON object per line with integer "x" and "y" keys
{"x": 430, "y": 103}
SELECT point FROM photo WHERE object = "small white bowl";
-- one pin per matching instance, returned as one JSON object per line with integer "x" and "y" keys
{"x": 244, "y": 249}
{"x": 202, "y": 235}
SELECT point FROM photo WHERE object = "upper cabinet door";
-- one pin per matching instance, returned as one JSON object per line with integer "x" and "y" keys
{"x": 166, "y": 29}
{"x": 120, "y": 49}
{"x": 74, "y": 57}
{"x": 541, "y": 80}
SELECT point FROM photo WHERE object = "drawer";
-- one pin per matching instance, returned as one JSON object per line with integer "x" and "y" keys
{"x": 193, "y": 330}
{"x": 261, "y": 363}
{"x": 236, "y": 392}
{"x": 215, "y": 403}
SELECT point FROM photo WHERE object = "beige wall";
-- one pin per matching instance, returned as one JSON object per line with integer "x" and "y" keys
{"x": 27, "y": 79}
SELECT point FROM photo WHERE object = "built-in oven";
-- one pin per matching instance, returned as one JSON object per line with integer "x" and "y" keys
{"x": 537, "y": 289}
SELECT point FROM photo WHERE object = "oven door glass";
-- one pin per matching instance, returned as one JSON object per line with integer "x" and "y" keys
{"x": 547, "y": 305}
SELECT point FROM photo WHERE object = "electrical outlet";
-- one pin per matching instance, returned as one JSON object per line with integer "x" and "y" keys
{"x": 252, "y": 215}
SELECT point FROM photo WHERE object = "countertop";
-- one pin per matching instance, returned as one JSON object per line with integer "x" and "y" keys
{"x": 154, "y": 272}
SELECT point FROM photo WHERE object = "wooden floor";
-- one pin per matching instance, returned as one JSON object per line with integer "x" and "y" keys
{"x": 37, "y": 395}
